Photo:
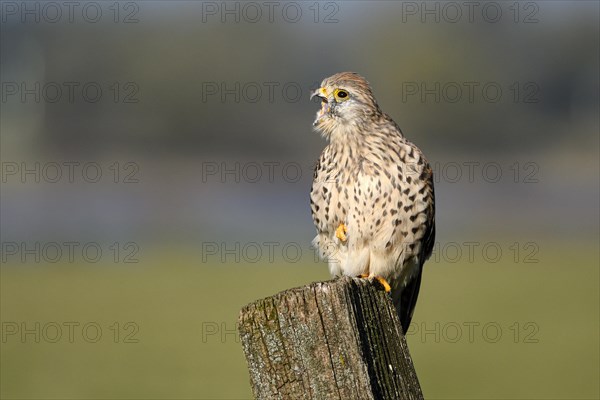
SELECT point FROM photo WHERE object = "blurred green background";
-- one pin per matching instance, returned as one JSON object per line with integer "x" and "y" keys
{"x": 203, "y": 139}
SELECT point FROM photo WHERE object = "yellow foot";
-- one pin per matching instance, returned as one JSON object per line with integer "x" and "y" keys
{"x": 340, "y": 232}
{"x": 383, "y": 282}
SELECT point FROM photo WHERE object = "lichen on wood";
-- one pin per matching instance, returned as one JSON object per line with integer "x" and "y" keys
{"x": 338, "y": 339}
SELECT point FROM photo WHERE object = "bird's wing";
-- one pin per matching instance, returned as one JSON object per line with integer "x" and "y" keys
{"x": 429, "y": 237}
{"x": 410, "y": 293}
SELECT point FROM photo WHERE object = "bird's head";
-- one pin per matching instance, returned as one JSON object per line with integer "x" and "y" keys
{"x": 346, "y": 102}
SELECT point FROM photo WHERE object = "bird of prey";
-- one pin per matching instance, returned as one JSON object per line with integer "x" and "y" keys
{"x": 372, "y": 197}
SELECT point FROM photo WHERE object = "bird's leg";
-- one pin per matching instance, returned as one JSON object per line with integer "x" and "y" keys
{"x": 381, "y": 280}
{"x": 340, "y": 232}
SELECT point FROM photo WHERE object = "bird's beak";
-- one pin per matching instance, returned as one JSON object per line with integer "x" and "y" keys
{"x": 325, "y": 106}
{"x": 320, "y": 92}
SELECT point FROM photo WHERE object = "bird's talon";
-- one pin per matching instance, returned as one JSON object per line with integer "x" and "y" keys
{"x": 381, "y": 280}
{"x": 340, "y": 232}
{"x": 384, "y": 283}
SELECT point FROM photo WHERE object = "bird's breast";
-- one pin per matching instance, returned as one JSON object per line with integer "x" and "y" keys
{"x": 330, "y": 196}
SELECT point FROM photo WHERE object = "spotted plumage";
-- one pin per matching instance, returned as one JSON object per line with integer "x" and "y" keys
{"x": 372, "y": 197}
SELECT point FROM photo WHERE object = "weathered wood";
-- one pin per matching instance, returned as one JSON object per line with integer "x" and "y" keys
{"x": 339, "y": 339}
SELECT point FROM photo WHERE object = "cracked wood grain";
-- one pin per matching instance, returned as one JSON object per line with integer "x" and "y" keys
{"x": 339, "y": 339}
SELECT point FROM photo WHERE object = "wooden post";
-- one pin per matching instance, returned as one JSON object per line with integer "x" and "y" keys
{"x": 339, "y": 339}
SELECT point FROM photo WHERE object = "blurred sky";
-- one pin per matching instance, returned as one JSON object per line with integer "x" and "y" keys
{"x": 439, "y": 80}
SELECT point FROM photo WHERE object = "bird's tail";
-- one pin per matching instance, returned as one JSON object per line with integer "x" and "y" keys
{"x": 405, "y": 297}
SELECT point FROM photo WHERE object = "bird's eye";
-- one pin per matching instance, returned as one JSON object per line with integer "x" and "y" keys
{"x": 341, "y": 94}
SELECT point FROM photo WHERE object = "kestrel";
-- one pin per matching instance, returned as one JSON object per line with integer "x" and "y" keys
{"x": 372, "y": 196}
